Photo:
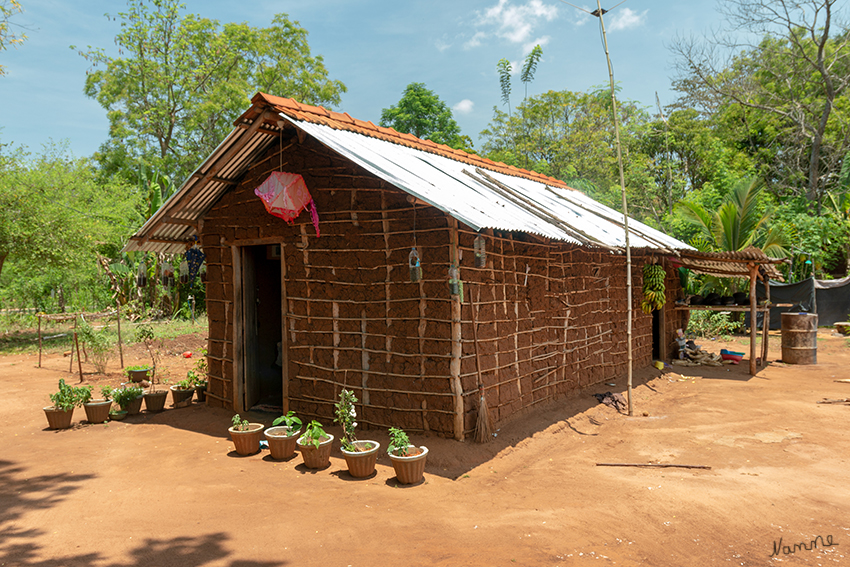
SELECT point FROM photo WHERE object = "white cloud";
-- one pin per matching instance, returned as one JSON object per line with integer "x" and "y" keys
{"x": 464, "y": 107}
{"x": 626, "y": 18}
{"x": 442, "y": 45}
{"x": 515, "y": 23}
{"x": 475, "y": 41}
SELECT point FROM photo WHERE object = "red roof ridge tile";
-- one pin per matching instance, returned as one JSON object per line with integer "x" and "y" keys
{"x": 344, "y": 121}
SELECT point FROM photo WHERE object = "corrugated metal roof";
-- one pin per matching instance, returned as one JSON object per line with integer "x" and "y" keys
{"x": 478, "y": 192}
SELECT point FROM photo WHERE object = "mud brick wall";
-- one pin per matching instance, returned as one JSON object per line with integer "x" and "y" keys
{"x": 552, "y": 316}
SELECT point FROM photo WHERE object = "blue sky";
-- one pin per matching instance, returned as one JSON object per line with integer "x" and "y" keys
{"x": 375, "y": 47}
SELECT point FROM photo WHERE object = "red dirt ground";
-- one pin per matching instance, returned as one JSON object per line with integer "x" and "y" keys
{"x": 168, "y": 490}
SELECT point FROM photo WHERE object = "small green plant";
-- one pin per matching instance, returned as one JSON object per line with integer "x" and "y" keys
{"x": 106, "y": 392}
{"x": 135, "y": 367}
{"x": 240, "y": 424}
{"x": 712, "y": 324}
{"x": 145, "y": 334}
{"x": 185, "y": 384}
{"x": 67, "y": 398}
{"x": 313, "y": 434}
{"x": 399, "y": 442}
{"x": 199, "y": 374}
{"x": 97, "y": 344}
{"x": 125, "y": 395}
{"x": 289, "y": 421}
{"x": 345, "y": 416}
{"x": 85, "y": 394}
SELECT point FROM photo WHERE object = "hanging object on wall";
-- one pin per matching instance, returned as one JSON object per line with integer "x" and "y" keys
{"x": 166, "y": 274}
{"x": 455, "y": 283}
{"x": 142, "y": 276}
{"x": 415, "y": 265}
{"x": 285, "y": 195}
{"x": 480, "y": 252}
{"x": 184, "y": 272}
{"x": 195, "y": 257}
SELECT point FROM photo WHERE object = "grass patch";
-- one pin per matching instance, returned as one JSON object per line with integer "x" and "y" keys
{"x": 22, "y": 338}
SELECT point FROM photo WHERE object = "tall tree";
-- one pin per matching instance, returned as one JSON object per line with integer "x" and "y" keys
{"x": 421, "y": 112}
{"x": 9, "y": 8}
{"x": 181, "y": 80}
{"x": 796, "y": 69}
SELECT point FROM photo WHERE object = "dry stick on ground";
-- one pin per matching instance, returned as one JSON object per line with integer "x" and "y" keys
{"x": 828, "y": 401}
{"x": 653, "y": 465}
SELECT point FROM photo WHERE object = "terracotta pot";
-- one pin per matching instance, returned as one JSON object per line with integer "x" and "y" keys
{"x": 281, "y": 441}
{"x": 135, "y": 407}
{"x": 410, "y": 469}
{"x": 97, "y": 411}
{"x": 181, "y": 397}
{"x": 316, "y": 458}
{"x": 117, "y": 415}
{"x": 155, "y": 401}
{"x": 138, "y": 375}
{"x": 361, "y": 463}
{"x": 202, "y": 392}
{"x": 247, "y": 442}
{"x": 57, "y": 418}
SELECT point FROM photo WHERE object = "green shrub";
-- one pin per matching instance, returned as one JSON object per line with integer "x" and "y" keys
{"x": 713, "y": 324}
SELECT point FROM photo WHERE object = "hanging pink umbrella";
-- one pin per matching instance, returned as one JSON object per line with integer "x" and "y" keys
{"x": 285, "y": 195}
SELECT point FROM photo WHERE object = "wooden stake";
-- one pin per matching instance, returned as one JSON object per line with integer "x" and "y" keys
{"x": 653, "y": 465}
{"x": 120, "y": 346}
{"x": 79, "y": 361}
{"x": 39, "y": 340}
{"x": 753, "y": 315}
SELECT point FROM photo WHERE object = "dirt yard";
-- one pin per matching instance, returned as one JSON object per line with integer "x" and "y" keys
{"x": 168, "y": 490}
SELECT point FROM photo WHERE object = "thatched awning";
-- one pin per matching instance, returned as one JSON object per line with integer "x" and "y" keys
{"x": 730, "y": 264}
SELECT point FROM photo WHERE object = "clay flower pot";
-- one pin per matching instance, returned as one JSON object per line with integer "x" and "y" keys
{"x": 155, "y": 401}
{"x": 316, "y": 458}
{"x": 281, "y": 441}
{"x": 117, "y": 415}
{"x": 97, "y": 411}
{"x": 57, "y": 418}
{"x": 247, "y": 442}
{"x": 138, "y": 375}
{"x": 182, "y": 396}
{"x": 361, "y": 463}
{"x": 201, "y": 391}
{"x": 410, "y": 469}
{"x": 135, "y": 407}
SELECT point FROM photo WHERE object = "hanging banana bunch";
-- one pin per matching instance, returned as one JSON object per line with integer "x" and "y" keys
{"x": 653, "y": 288}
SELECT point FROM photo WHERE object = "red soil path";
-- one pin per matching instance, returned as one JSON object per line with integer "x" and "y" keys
{"x": 168, "y": 490}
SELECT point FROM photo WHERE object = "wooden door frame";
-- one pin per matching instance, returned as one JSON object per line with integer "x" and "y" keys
{"x": 237, "y": 248}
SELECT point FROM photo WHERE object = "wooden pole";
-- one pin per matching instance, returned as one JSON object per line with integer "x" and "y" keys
{"x": 753, "y": 315}
{"x": 71, "y": 362}
{"x": 765, "y": 322}
{"x": 118, "y": 319}
{"x": 598, "y": 14}
{"x": 457, "y": 347}
{"x": 79, "y": 360}
{"x": 39, "y": 340}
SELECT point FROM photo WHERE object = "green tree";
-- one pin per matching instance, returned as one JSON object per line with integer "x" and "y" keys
{"x": 421, "y": 112}
{"x": 181, "y": 80}
{"x": 9, "y": 8}
{"x": 54, "y": 218}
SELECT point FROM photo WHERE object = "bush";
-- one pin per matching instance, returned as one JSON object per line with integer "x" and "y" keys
{"x": 712, "y": 324}
{"x": 98, "y": 345}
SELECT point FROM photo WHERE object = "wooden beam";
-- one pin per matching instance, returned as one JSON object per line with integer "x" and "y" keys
{"x": 216, "y": 179}
{"x": 284, "y": 324}
{"x": 457, "y": 345}
{"x": 753, "y": 312}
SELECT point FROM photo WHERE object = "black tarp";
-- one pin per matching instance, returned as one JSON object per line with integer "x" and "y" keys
{"x": 829, "y": 299}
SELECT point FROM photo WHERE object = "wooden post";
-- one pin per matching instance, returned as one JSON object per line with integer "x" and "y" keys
{"x": 753, "y": 316}
{"x": 71, "y": 362}
{"x": 457, "y": 348}
{"x": 79, "y": 360}
{"x": 39, "y": 340}
{"x": 237, "y": 389}
{"x": 118, "y": 319}
{"x": 765, "y": 322}
{"x": 284, "y": 324}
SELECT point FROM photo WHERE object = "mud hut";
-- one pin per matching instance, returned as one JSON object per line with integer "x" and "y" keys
{"x": 294, "y": 318}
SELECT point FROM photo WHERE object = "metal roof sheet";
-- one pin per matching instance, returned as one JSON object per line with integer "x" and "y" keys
{"x": 476, "y": 191}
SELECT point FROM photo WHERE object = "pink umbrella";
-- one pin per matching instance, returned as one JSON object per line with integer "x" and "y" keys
{"x": 285, "y": 195}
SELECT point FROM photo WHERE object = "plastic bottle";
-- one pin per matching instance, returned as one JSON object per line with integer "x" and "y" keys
{"x": 454, "y": 280}
{"x": 480, "y": 252}
{"x": 415, "y": 265}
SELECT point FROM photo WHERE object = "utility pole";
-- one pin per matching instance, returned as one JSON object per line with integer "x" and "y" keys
{"x": 598, "y": 13}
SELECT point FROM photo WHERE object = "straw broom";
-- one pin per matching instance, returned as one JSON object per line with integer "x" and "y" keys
{"x": 483, "y": 432}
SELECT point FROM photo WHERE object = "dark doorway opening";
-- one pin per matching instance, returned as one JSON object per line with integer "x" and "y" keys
{"x": 262, "y": 333}
{"x": 656, "y": 334}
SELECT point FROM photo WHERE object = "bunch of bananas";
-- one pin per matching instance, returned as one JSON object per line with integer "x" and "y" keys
{"x": 653, "y": 288}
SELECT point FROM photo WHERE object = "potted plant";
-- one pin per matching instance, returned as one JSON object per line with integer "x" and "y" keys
{"x": 245, "y": 435}
{"x": 59, "y": 415}
{"x": 408, "y": 461}
{"x": 282, "y": 436}
{"x": 315, "y": 446}
{"x": 137, "y": 372}
{"x": 198, "y": 376}
{"x": 129, "y": 398}
{"x": 360, "y": 456}
{"x": 182, "y": 392}
{"x": 97, "y": 410}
